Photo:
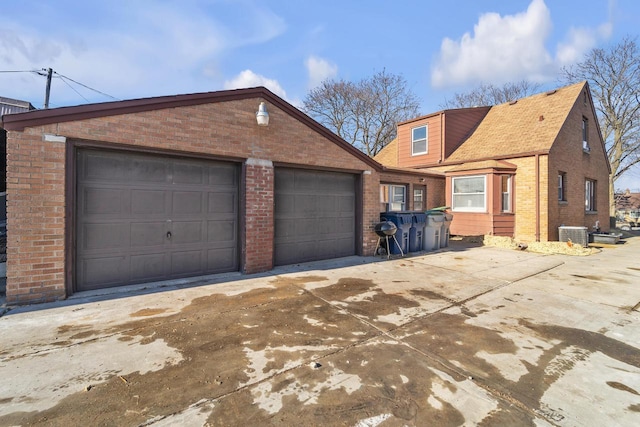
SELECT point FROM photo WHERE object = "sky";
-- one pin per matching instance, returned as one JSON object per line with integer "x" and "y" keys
{"x": 127, "y": 49}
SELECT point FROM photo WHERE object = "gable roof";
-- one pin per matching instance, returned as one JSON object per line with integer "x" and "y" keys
{"x": 20, "y": 121}
{"x": 526, "y": 126}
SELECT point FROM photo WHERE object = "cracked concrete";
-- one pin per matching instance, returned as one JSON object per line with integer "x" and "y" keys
{"x": 468, "y": 336}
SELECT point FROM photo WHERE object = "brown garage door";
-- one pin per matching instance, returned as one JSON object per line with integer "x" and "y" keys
{"x": 143, "y": 218}
{"x": 315, "y": 215}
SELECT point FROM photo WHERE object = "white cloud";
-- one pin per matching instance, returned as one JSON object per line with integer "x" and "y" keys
{"x": 248, "y": 78}
{"x": 499, "y": 49}
{"x": 319, "y": 69}
{"x": 510, "y": 48}
{"x": 146, "y": 49}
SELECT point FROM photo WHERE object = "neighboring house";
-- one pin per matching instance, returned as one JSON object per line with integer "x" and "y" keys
{"x": 519, "y": 169}
{"x": 628, "y": 208}
{"x": 155, "y": 189}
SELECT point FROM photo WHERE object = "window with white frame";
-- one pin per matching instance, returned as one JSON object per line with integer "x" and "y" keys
{"x": 505, "y": 182}
{"x": 590, "y": 195}
{"x": 585, "y": 135}
{"x": 562, "y": 186}
{"x": 469, "y": 193}
{"x": 419, "y": 140}
{"x": 393, "y": 197}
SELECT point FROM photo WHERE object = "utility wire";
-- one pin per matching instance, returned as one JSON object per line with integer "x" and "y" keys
{"x": 85, "y": 86}
{"x": 72, "y": 88}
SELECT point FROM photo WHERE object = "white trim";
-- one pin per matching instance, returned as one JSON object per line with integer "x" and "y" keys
{"x": 426, "y": 140}
{"x": 259, "y": 162}
{"x": 48, "y": 137}
{"x": 482, "y": 209}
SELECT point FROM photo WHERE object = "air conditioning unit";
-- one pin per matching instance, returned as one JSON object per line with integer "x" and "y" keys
{"x": 577, "y": 235}
{"x": 585, "y": 147}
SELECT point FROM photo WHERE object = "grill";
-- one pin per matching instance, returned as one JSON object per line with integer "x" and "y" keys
{"x": 384, "y": 230}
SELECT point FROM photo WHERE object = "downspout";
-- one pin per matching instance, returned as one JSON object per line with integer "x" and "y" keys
{"x": 441, "y": 138}
{"x": 537, "y": 197}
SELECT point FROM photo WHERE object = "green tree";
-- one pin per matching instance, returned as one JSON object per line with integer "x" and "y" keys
{"x": 364, "y": 113}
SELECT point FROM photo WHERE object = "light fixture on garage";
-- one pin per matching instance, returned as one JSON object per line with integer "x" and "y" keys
{"x": 262, "y": 116}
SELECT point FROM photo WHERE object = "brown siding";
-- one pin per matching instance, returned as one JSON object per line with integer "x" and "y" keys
{"x": 405, "y": 159}
{"x": 458, "y": 124}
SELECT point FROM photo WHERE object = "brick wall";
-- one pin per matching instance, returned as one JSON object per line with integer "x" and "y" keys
{"x": 36, "y": 173}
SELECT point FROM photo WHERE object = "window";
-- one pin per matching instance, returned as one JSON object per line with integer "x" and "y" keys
{"x": 469, "y": 194}
{"x": 562, "y": 186}
{"x": 590, "y": 196}
{"x": 393, "y": 197}
{"x": 419, "y": 140}
{"x": 418, "y": 198}
{"x": 585, "y": 135}
{"x": 506, "y": 193}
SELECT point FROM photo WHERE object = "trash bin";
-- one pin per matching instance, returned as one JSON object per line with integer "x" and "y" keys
{"x": 433, "y": 230}
{"x": 416, "y": 232}
{"x": 444, "y": 233}
{"x": 402, "y": 220}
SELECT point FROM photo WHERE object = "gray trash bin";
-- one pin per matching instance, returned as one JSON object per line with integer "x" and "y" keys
{"x": 444, "y": 234}
{"x": 433, "y": 230}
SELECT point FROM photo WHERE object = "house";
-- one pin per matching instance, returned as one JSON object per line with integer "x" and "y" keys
{"x": 147, "y": 190}
{"x": 519, "y": 169}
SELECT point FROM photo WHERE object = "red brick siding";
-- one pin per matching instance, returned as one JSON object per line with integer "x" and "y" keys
{"x": 36, "y": 174}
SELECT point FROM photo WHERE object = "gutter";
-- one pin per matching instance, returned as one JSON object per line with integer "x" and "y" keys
{"x": 537, "y": 197}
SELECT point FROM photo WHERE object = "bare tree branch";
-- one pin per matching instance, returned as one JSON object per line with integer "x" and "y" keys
{"x": 364, "y": 113}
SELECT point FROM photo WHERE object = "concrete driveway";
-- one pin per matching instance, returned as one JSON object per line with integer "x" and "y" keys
{"x": 467, "y": 336}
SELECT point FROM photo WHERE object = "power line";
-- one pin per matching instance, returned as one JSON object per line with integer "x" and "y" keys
{"x": 73, "y": 88}
{"x": 85, "y": 86}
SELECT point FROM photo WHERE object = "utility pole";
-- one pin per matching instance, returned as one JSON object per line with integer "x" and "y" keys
{"x": 48, "y": 90}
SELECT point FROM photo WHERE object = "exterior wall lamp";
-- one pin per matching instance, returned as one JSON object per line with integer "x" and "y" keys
{"x": 262, "y": 116}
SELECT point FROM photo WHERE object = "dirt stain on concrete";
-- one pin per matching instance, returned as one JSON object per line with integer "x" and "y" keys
{"x": 145, "y": 312}
{"x": 622, "y": 387}
{"x": 210, "y": 334}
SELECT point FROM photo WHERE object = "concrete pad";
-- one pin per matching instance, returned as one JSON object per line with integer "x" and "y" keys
{"x": 466, "y": 337}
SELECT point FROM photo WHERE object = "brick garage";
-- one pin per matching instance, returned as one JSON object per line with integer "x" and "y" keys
{"x": 43, "y": 146}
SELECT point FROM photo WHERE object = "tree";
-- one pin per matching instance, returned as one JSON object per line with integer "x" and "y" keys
{"x": 488, "y": 94}
{"x": 614, "y": 78}
{"x": 365, "y": 113}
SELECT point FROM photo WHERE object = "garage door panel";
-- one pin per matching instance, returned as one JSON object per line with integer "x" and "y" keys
{"x": 220, "y": 260}
{"x": 145, "y": 234}
{"x": 101, "y": 201}
{"x": 148, "y": 267}
{"x": 223, "y": 175}
{"x": 221, "y": 231}
{"x": 104, "y": 167}
{"x": 326, "y": 205}
{"x": 305, "y": 205}
{"x": 149, "y": 170}
{"x": 187, "y": 232}
{"x": 148, "y": 202}
{"x": 221, "y": 202}
{"x": 314, "y": 215}
{"x": 104, "y": 271}
{"x": 185, "y": 173}
{"x": 187, "y": 202}
{"x": 186, "y": 263}
{"x": 103, "y": 236}
{"x": 122, "y": 222}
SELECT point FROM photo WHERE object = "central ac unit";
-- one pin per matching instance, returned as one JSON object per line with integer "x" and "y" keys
{"x": 577, "y": 235}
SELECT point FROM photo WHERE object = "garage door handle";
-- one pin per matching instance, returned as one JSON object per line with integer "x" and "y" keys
{"x": 169, "y": 235}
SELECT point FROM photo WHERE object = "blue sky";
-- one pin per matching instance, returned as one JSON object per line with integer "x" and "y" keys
{"x": 141, "y": 48}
